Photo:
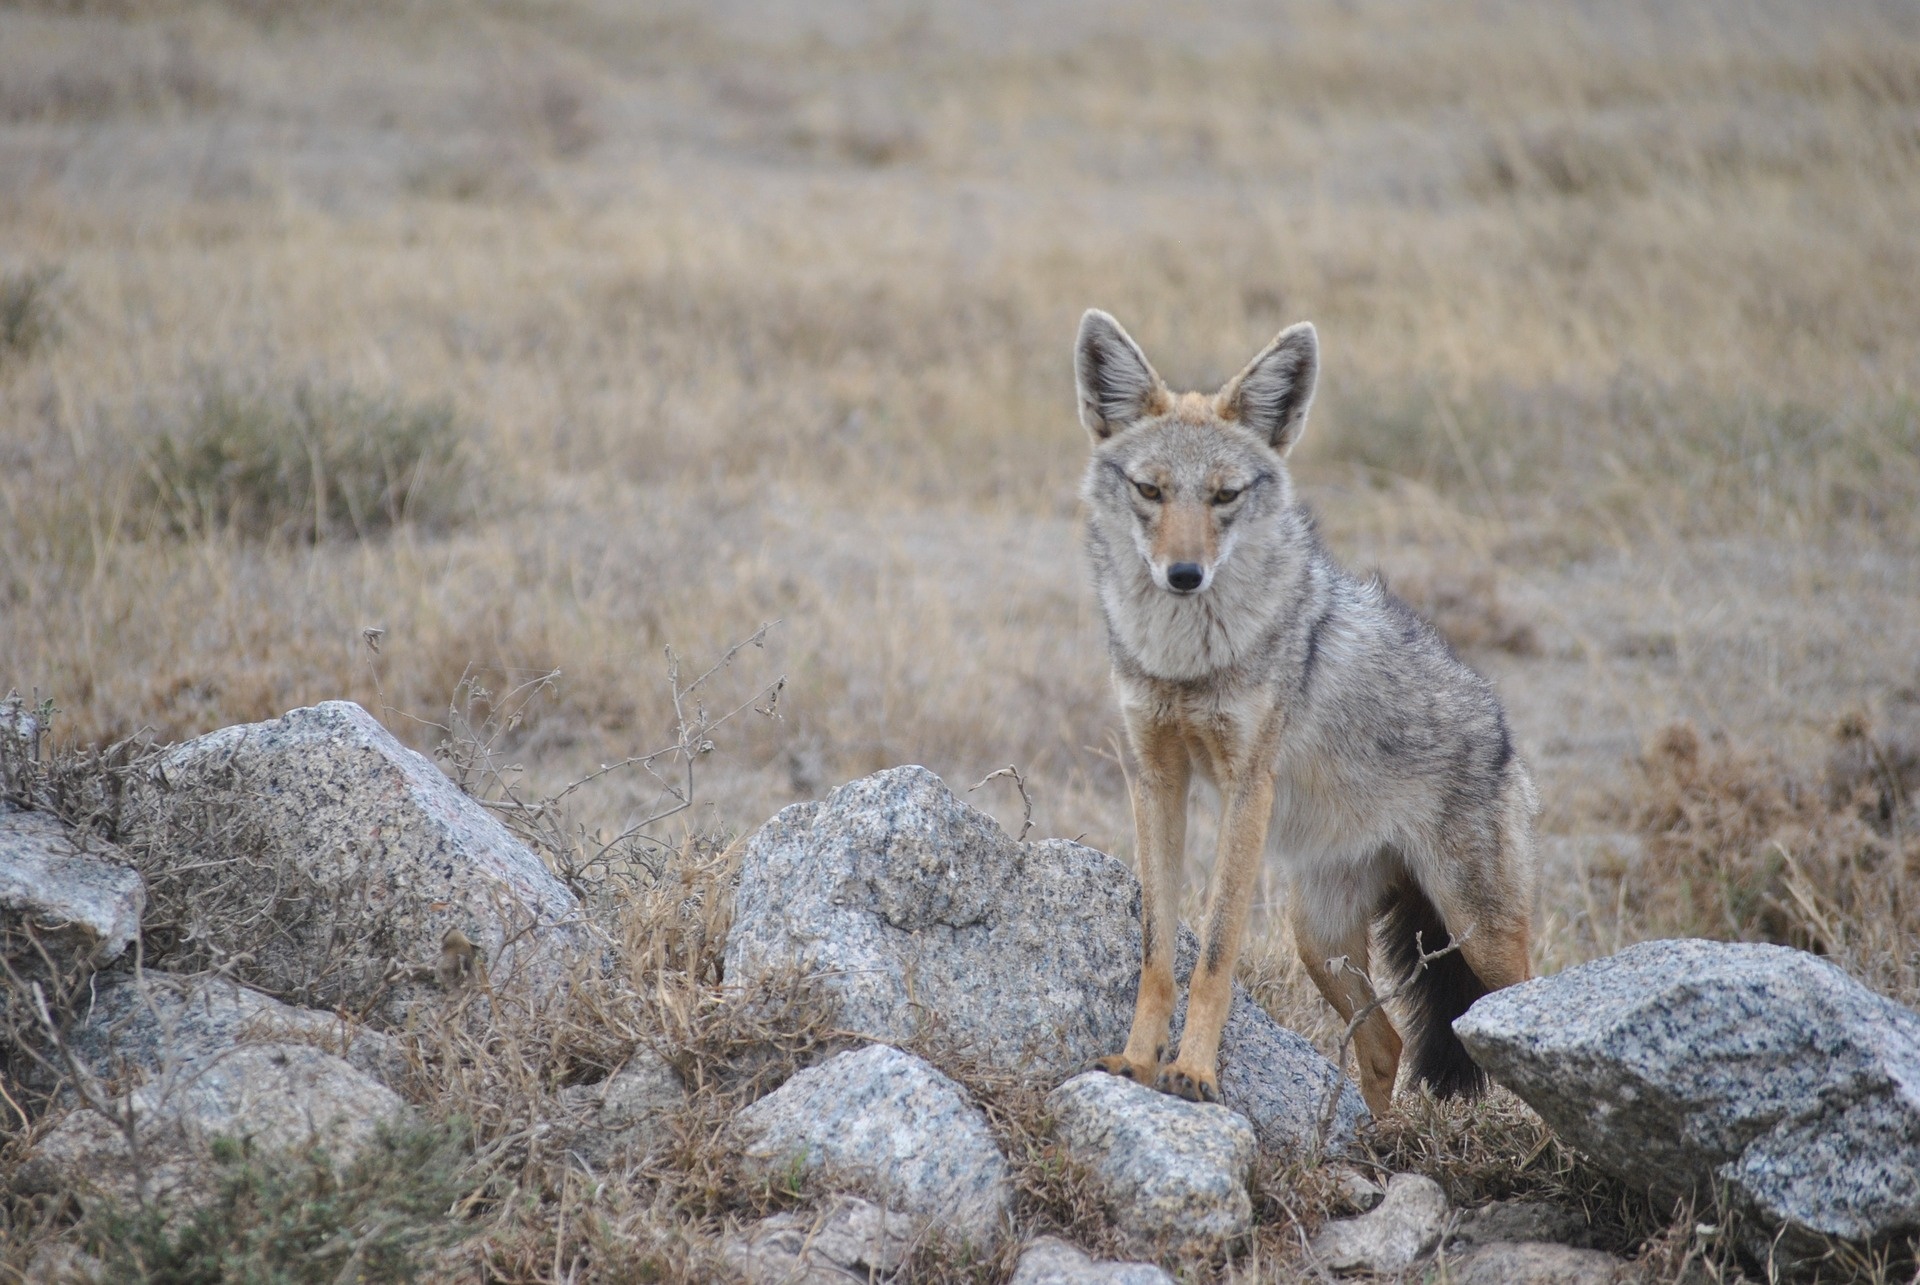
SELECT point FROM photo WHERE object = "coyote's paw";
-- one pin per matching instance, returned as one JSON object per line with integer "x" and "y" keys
{"x": 1184, "y": 1084}
{"x": 1119, "y": 1065}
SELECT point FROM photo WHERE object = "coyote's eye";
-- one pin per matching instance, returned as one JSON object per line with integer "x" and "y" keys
{"x": 1148, "y": 491}
{"x": 1226, "y": 495}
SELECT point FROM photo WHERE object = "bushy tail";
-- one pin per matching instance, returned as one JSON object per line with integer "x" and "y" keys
{"x": 1434, "y": 995}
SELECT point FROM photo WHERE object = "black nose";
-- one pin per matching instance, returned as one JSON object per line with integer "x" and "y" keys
{"x": 1185, "y": 576}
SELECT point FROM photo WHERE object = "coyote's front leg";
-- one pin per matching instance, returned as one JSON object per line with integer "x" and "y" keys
{"x": 1194, "y": 1075}
{"x": 1160, "y": 836}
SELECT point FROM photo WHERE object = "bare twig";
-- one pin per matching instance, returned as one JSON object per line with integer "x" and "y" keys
{"x": 1340, "y": 963}
{"x": 1020, "y": 784}
{"x": 477, "y": 721}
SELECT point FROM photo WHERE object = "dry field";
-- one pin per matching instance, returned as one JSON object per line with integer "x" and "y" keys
{"x": 544, "y": 336}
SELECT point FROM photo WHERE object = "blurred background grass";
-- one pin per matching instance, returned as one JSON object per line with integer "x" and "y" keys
{"x": 544, "y": 335}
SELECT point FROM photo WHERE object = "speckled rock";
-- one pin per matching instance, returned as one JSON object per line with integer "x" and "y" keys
{"x": 625, "y": 1118}
{"x": 1172, "y": 1174}
{"x": 82, "y": 904}
{"x": 846, "y": 1240}
{"x": 889, "y": 1126}
{"x": 1537, "y": 1263}
{"x": 908, "y": 902}
{"x": 1052, "y": 1261}
{"x": 1678, "y": 1064}
{"x": 62, "y": 1263}
{"x": 1359, "y": 1192}
{"x": 1397, "y": 1233}
{"x": 397, "y": 852}
{"x": 142, "y": 1022}
{"x": 273, "y": 1096}
{"x": 1294, "y": 1097}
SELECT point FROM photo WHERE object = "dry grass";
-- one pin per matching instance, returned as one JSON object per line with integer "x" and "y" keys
{"x": 729, "y": 314}
{"x": 1740, "y": 846}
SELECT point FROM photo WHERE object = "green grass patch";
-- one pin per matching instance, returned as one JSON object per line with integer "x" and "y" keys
{"x": 29, "y": 321}
{"x": 295, "y": 1217}
{"x": 308, "y": 462}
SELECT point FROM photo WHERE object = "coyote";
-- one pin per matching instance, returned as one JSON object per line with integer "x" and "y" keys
{"x": 1330, "y": 718}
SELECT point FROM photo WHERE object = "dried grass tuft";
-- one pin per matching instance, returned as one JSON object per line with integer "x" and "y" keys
{"x": 1742, "y": 846}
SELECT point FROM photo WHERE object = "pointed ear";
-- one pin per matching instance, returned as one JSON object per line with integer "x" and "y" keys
{"x": 1117, "y": 386}
{"x": 1272, "y": 394}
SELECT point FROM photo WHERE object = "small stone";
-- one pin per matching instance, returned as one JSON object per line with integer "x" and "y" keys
{"x": 90, "y": 898}
{"x": 271, "y": 1096}
{"x": 1172, "y": 1174}
{"x": 1052, "y": 1261}
{"x": 143, "y": 1021}
{"x": 18, "y": 722}
{"x": 888, "y": 1125}
{"x": 65, "y": 1264}
{"x": 1295, "y": 1099}
{"x": 1537, "y": 1263}
{"x": 1523, "y": 1220}
{"x": 624, "y": 1119}
{"x": 1402, "y": 1230}
{"x": 1359, "y": 1191}
{"x": 846, "y": 1240}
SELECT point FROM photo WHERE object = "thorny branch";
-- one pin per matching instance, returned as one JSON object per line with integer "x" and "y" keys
{"x": 1340, "y": 963}
{"x": 1020, "y": 784}
{"x": 66, "y": 1068}
{"x": 470, "y": 750}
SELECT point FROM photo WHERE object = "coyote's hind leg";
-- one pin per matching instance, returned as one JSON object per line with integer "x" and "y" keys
{"x": 1376, "y": 1045}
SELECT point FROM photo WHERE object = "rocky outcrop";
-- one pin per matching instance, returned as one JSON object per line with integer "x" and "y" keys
{"x": 920, "y": 915}
{"x": 82, "y": 903}
{"x": 1052, "y": 1261}
{"x": 1680, "y": 1065}
{"x": 388, "y": 852}
{"x": 1172, "y": 1174}
{"x": 271, "y": 1097}
{"x": 1401, "y": 1230}
{"x": 889, "y": 1126}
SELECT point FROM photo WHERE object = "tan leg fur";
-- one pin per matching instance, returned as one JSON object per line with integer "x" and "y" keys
{"x": 1243, "y": 842}
{"x": 1376, "y": 1045}
{"x": 1160, "y": 827}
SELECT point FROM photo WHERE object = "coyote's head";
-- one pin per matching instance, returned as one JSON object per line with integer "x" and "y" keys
{"x": 1181, "y": 476}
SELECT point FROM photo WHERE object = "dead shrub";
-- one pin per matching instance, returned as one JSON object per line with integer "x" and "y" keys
{"x": 1880, "y": 766}
{"x": 41, "y": 975}
{"x": 1741, "y": 846}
